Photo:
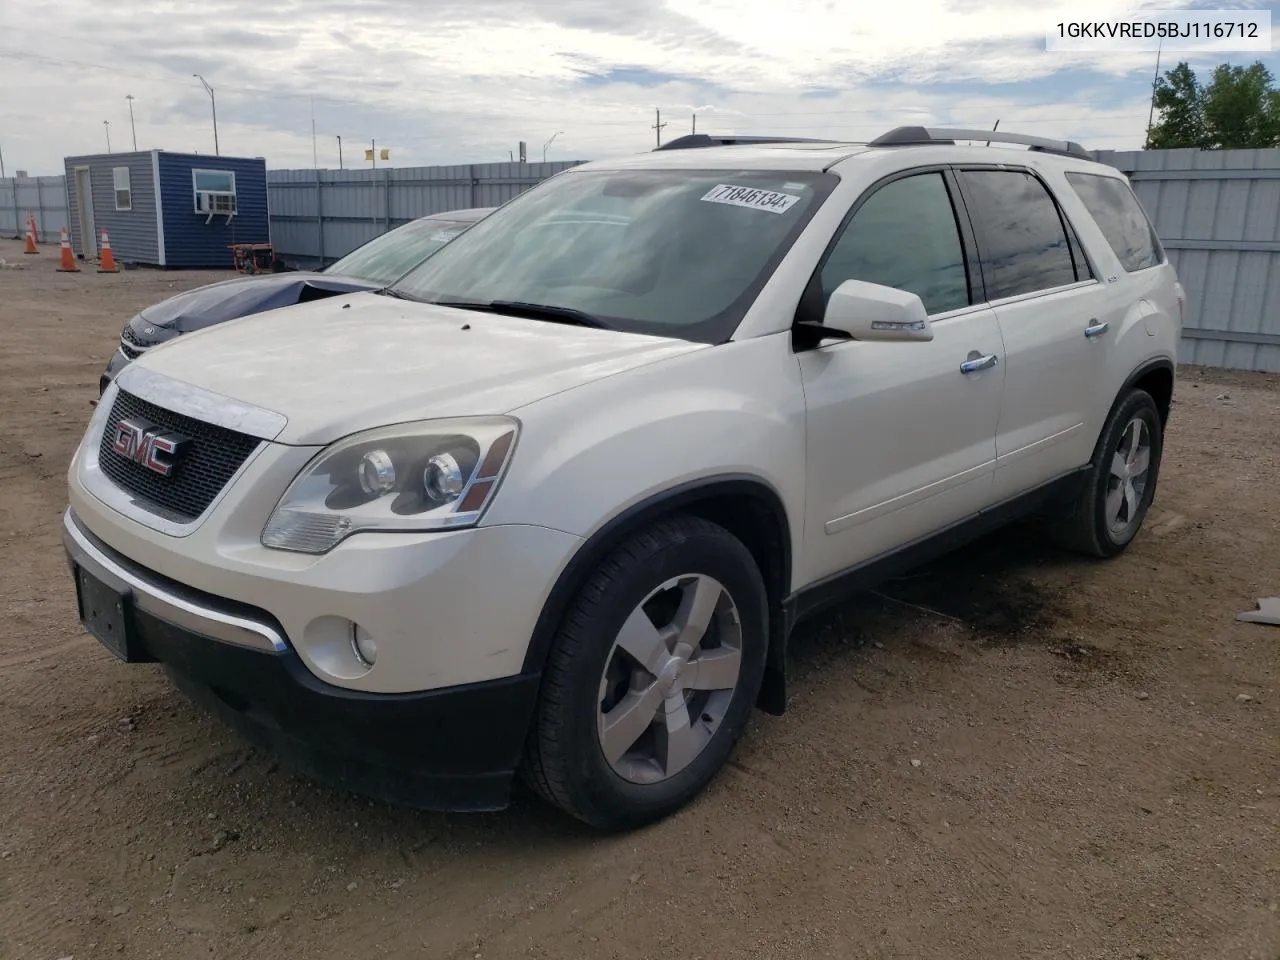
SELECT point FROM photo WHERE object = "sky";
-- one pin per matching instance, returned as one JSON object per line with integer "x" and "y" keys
{"x": 463, "y": 81}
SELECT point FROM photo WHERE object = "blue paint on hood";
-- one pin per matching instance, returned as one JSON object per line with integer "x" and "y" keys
{"x": 241, "y": 296}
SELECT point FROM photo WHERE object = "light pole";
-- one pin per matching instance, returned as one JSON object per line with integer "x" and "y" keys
{"x": 1155, "y": 85}
{"x": 106, "y": 125}
{"x": 133, "y": 130}
{"x": 548, "y": 143}
{"x": 214, "y": 104}
{"x": 339, "y": 153}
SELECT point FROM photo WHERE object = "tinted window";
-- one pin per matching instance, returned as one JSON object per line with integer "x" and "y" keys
{"x": 1121, "y": 219}
{"x": 1021, "y": 236}
{"x": 904, "y": 236}
{"x": 678, "y": 253}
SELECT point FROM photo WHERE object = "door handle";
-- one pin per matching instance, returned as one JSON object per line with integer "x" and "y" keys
{"x": 979, "y": 363}
{"x": 1096, "y": 328}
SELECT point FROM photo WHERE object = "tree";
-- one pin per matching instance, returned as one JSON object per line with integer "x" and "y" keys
{"x": 1238, "y": 109}
{"x": 1180, "y": 101}
{"x": 1241, "y": 110}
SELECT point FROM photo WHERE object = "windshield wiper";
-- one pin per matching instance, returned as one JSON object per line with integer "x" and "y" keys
{"x": 535, "y": 311}
{"x": 398, "y": 294}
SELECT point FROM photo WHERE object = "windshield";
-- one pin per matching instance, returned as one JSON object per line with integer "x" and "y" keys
{"x": 679, "y": 253}
{"x": 387, "y": 257}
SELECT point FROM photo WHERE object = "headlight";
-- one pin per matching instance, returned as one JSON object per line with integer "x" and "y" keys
{"x": 434, "y": 475}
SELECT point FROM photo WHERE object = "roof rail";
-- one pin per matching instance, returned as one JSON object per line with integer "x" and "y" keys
{"x": 917, "y": 136}
{"x": 691, "y": 140}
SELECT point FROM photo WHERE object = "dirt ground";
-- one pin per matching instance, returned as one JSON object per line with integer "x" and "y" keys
{"x": 1013, "y": 754}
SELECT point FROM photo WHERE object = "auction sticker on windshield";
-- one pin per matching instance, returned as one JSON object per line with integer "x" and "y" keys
{"x": 751, "y": 197}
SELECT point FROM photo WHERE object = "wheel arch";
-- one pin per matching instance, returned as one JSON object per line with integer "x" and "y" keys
{"x": 745, "y": 505}
{"x": 1157, "y": 377}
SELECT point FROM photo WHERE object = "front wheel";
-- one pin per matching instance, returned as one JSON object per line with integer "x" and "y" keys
{"x": 652, "y": 676}
{"x": 1120, "y": 484}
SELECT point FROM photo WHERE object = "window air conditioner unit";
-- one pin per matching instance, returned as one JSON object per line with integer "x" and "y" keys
{"x": 214, "y": 203}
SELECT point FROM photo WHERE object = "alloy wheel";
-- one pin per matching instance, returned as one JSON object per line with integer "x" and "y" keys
{"x": 669, "y": 678}
{"x": 1127, "y": 478}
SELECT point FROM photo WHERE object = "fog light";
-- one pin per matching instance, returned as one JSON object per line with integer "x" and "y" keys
{"x": 365, "y": 647}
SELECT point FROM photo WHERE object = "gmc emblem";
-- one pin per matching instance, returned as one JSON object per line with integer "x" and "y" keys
{"x": 148, "y": 445}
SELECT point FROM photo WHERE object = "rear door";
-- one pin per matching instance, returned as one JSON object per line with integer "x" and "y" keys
{"x": 1053, "y": 313}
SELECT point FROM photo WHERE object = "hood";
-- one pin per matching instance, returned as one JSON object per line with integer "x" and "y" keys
{"x": 335, "y": 366}
{"x": 239, "y": 297}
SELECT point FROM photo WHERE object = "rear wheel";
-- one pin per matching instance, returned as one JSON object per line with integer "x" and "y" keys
{"x": 1118, "y": 489}
{"x": 652, "y": 677}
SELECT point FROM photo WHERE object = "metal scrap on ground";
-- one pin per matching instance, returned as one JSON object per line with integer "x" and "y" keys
{"x": 1268, "y": 612}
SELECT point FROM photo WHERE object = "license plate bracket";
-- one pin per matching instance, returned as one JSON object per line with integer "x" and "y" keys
{"x": 105, "y": 612}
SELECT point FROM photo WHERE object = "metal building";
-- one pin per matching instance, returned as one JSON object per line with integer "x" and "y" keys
{"x": 166, "y": 209}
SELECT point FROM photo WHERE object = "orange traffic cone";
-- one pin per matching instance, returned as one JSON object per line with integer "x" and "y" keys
{"x": 107, "y": 264}
{"x": 31, "y": 239}
{"x": 68, "y": 262}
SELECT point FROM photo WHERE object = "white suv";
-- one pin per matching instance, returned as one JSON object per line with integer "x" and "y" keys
{"x": 552, "y": 502}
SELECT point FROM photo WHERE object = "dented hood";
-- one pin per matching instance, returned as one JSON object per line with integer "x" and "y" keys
{"x": 240, "y": 297}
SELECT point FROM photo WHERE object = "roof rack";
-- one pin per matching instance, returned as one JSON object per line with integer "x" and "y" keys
{"x": 917, "y": 136}
{"x": 691, "y": 140}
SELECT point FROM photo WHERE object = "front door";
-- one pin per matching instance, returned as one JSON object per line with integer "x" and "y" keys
{"x": 84, "y": 204}
{"x": 900, "y": 438}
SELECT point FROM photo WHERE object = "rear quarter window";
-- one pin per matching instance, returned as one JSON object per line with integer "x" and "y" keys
{"x": 1114, "y": 207}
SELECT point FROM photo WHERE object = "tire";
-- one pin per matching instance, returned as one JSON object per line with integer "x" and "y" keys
{"x": 591, "y": 672}
{"x": 1085, "y": 526}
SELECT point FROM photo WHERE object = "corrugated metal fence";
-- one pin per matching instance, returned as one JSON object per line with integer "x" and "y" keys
{"x": 1218, "y": 214}
{"x": 318, "y": 216}
{"x": 44, "y": 197}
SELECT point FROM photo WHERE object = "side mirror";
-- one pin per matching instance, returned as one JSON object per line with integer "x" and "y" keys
{"x": 869, "y": 311}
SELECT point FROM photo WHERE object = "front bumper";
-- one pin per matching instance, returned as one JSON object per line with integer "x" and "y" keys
{"x": 455, "y": 748}
{"x": 444, "y": 608}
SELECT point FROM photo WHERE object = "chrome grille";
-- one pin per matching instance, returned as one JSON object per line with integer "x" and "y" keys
{"x": 211, "y": 459}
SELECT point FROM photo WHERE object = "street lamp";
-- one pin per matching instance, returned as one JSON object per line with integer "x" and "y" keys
{"x": 214, "y": 104}
{"x": 106, "y": 125}
{"x": 548, "y": 143}
{"x": 132, "y": 129}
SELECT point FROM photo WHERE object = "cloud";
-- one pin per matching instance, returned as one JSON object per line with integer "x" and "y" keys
{"x": 461, "y": 81}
